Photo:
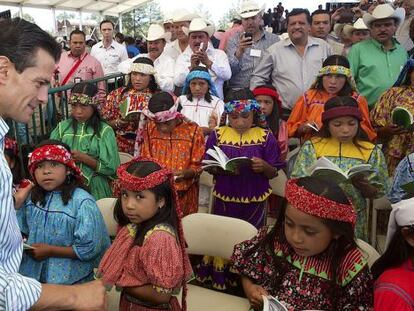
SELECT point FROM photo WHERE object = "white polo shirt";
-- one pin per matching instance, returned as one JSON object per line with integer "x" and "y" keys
{"x": 109, "y": 57}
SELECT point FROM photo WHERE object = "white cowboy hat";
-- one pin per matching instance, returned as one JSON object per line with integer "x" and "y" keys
{"x": 250, "y": 8}
{"x": 182, "y": 15}
{"x": 199, "y": 24}
{"x": 156, "y": 32}
{"x": 384, "y": 11}
{"x": 358, "y": 25}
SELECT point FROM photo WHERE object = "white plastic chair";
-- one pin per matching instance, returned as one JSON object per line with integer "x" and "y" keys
{"x": 214, "y": 235}
{"x": 106, "y": 206}
{"x": 377, "y": 205}
{"x": 125, "y": 157}
{"x": 370, "y": 252}
{"x": 278, "y": 183}
{"x": 207, "y": 180}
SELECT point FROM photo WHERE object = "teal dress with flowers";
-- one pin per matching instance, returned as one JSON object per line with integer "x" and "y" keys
{"x": 347, "y": 155}
{"x": 78, "y": 224}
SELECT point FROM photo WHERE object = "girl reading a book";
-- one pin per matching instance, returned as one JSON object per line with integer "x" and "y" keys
{"x": 199, "y": 101}
{"x": 147, "y": 260}
{"x": 178, "y": 144}
{"x": 310, "y": 259}
{"x": 334, "y": 79}
{"x": 136, "y": 94}
{"x": 271, "y": 105}
{"x": 62, "y": 221}
{"x": 241, "y": 194}
{"x": 92, "y": 140}
{"x": 397, "y": 141}
{"x": 343, "y": 141}
{"x": 394, "y": 270}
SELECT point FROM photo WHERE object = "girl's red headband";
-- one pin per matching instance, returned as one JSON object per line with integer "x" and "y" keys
{"x": 55, "y": 153}
{"x": 318, "y": 206}
{"x": 341, "y": 111}
{"x": 262, "y": 90}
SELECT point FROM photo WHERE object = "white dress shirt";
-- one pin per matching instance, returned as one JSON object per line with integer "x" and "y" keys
{"x": 289, "y": 72}
{"x": 109, "y": 57}
{"x": 220, "y": 69}
{"x": 164, "y": 67}
{"x": 172, "y": 49}
{"x": 200, "y": 110}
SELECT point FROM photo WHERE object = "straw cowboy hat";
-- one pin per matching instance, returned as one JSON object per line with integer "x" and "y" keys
{"x": 199, "y": 24}
{"x": 384, "y": 11}
{"x": 156, "y": 32}
{"x": 250, "y": 8}
{"x": 182, "y": 15}
{"x": 358, "y": 25}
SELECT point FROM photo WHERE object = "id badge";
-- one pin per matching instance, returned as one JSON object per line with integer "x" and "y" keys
{"x": 255, "y": 53}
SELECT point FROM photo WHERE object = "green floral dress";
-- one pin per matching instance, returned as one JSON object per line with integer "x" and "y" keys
{"x": 346, "y": 155}
{"x": 101, "y": 147}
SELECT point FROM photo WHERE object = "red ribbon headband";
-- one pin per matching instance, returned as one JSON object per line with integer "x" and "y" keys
{"x": 55, "y": 153}
{"x": 341, "y": 111}
{"x": 318, "y": 206}
{"x": 261, "y": 90}
{"x": 133, "y": 183}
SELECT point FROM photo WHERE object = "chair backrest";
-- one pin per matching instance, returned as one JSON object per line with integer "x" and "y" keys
{"x": 106, "y": 206}
{"x": 278, "y": 183}
{"x": 206, "y": 179}
{"x": 371, "y": 253}
{"x": 214, "y": 235}
{"x": 125, "y": 157}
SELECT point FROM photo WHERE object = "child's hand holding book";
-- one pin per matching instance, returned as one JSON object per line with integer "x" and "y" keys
{"x": 362, "y": 184}
{"x": 254, "y": 294}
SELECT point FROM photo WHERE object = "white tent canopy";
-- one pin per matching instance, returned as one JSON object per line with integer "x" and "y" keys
{"x": 104, "y": 7}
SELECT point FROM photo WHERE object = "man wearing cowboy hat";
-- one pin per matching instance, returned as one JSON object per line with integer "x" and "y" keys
{"x": 169, "y": 27}
{"x": 243, "y": 51}
{"x": 156, "y": 39}
{"x": 201, "y": 52}
{"x": 357, "y": 32}
{"x": 321, "y": 28}
{"x": 181, "y": 19}
{"x": 376, "y": 62}
{"x": 292, "y": 65}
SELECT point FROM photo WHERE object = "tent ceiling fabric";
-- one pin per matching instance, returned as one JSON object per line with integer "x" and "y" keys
{"x": 106, "y": 7}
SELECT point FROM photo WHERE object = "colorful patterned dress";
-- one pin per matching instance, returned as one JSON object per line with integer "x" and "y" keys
{"x": 78, "y": 224}
{"x": 306, "y": 282}
{"x": 310, "y": 106}
{"x": 346, "y": 155}
{"x": 404, "y": 174}
{"x": 101, "y": 147}
{"x": 158, "y": 262}
{"x": 110, "y": 111}
{"x": 399, "y": 145}
{"x": 181, "y": 149}
{"x": 242, "y": 196}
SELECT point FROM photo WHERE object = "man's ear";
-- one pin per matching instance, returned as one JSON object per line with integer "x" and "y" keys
{"x": 5, "y": 65}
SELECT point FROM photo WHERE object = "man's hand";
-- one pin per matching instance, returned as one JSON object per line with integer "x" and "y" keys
{"x": 244, "y": 43}
{"x": 387, "y": 132}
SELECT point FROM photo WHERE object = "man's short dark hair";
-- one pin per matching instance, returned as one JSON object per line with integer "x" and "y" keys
{"x": 320, "y": 12}
{"x": 105, "y": 21}
{"x": 20, "y": 41}
{"x": 77, "y": 32}
{"x": 295, "y": 12}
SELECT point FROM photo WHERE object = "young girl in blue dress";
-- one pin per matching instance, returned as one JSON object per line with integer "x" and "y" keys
{"x": 62, "y": 221}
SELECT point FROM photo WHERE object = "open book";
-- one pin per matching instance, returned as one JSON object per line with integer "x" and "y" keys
{"x": 313, "y": 126}
{"x": 221, "y": 160}
{"x": 133, "y": 105}
{"x": 270, "y": 303}
{"x": 402, "y": 117}
{"x": 326, "y": 169}
{"x": 408, "y": 189}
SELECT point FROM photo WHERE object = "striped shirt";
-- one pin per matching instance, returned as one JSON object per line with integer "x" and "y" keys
{"x": 16, "y": 291}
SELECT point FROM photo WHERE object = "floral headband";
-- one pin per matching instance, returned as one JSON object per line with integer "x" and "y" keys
{"x": 55, "y": 153}
{"x": 243, "y": 106}
{"x": 318, "y": 206}
{"x": 11, "y": 144}
{"x": 142, "y": 68}
{"x": 83, "y": 99}
{"x": 199, "y": 74}
{"x": 335, "y": 70}
{"x": 164, "y": 116}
